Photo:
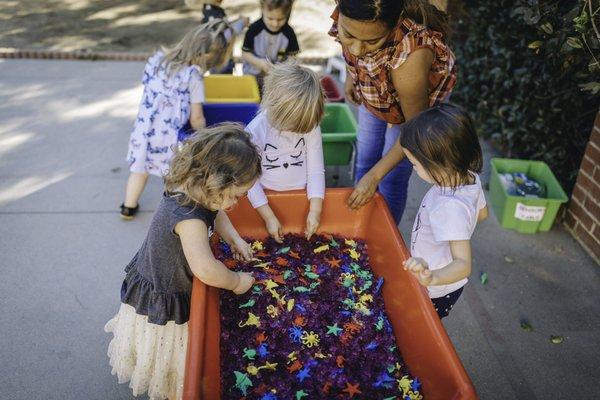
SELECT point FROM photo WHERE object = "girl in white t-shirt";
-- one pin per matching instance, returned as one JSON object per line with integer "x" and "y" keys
{"x": 442, "y": 145}
{"x": 288, "y": 135}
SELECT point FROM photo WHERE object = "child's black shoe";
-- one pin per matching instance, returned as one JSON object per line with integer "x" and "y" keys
{"x": 128, "y": 213}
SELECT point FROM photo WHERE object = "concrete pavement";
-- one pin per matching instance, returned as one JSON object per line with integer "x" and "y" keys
{"x": 64, "y": 127}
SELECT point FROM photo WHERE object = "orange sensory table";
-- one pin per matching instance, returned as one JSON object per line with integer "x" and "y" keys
{"x": 419, "y": 334}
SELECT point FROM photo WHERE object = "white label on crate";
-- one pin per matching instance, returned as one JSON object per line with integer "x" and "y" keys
{"x": 529, "y": 213}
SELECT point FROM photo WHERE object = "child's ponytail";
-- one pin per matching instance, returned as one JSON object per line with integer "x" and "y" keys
{"x": 200, "y": 41}
{"x": 422, "y": 12}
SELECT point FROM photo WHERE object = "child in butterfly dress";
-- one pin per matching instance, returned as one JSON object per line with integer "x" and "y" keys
{"x": 173, "y": 94}
{"x": 208, "y": 174}
{"x": 287, "y": 132}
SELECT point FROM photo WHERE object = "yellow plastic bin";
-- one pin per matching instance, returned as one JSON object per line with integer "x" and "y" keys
{"x": 231, "y": 89}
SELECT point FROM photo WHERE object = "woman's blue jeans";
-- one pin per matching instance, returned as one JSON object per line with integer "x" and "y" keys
{"x": 374, "y": 140}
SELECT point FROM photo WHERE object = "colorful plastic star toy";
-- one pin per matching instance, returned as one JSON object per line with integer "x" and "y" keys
{"x": 309, "y": 339}
{"x": 352, "y": 389}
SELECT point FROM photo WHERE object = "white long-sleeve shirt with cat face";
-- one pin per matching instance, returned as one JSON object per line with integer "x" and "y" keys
{"x": 289, "y": 161}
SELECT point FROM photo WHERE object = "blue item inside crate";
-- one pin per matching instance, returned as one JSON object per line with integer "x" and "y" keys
{"x": 216, "y": 113}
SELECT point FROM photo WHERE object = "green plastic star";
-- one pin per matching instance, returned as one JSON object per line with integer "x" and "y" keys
{"x": 300, "y": 394}
{"x": 333, "y": 329}
{"x": 333, "y": 243}
{"x": 242, "y": 382}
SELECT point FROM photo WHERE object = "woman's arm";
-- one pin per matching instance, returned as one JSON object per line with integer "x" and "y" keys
{"x": 411, "y": 81}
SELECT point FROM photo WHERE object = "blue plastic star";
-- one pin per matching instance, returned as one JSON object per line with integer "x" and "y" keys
{"x": 303, "y": 374}
{"x": 384, "y": 380}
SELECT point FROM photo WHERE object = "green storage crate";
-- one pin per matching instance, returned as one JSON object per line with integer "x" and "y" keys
{"x": 523, "y": 214}
{"x": 338, "y": 129}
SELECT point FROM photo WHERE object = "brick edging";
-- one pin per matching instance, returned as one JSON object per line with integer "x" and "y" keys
{"x": 107, "y": 56}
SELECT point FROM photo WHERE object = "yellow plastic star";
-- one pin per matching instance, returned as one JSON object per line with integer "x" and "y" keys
{"x": 257, "y": 245}
{"x": 321, "y": 249}
{"x": 268, "y": 365}
{"x": 252, "y": 320}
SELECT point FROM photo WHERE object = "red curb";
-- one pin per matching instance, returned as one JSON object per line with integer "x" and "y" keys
{"x": 107, "y": 56}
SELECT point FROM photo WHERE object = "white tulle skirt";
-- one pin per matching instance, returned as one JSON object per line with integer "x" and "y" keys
{"x": 151, "y": 357}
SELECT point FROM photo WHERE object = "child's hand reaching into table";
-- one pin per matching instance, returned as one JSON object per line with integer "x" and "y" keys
{"x": 313, "y": 220}
{"x": 244, "y": 284}
{"x": 420, "y": 270}
{"x": 242, "y": 251}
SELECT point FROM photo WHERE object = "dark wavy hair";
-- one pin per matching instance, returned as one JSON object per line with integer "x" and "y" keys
{"x": 444, "y": 141}
{"x": 390, "y": 12}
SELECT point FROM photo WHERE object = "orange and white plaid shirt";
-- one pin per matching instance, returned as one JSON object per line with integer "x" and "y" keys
{"x": 372, "y": 72}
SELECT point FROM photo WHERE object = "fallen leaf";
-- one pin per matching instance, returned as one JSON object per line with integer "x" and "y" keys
{"x": 484, "y": 278}
{"x": 526, "y": 326}
{"x": 509, "y": 259}
{"x": 556, "y": 339}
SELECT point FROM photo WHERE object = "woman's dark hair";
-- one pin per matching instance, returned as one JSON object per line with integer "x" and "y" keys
{"x": 390, "y": 12}
{"x": 443, "y": 139}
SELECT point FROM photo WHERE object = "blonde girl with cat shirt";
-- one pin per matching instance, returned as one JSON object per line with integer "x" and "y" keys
{"x": 287, "y": 133}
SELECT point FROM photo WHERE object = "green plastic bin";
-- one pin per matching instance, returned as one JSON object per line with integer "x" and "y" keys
{"x": 338, "y": 129}
{"x": 523, "y": 214}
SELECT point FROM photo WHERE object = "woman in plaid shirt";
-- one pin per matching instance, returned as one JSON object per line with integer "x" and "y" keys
{"x": 398, "y": 65}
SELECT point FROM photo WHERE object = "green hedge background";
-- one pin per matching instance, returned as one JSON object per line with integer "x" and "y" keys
{"x": 529, "y": 74}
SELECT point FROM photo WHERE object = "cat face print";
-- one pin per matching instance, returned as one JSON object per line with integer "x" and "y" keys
{"x": 284, "y": 161}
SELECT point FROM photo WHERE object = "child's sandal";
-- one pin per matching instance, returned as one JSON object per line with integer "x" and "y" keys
{"x": 128, "y": 213}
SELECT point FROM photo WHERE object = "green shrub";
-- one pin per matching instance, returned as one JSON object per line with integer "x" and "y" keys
{"x": 529, "y": 73}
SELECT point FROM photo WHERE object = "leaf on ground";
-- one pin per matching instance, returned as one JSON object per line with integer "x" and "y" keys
{"x": 556, "y": 339}
{"x": 509, "y": 260}
{"x": 484, "y": 278}
{"x": 526, "y": 326}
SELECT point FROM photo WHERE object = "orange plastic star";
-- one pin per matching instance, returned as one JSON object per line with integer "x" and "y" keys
{"x": 334, "y": 263}
{"x": 282, "y": 262}
{"x": 352, "y": 389}
{"x": 261, "y": 337}
{"x": 292, "y": 253}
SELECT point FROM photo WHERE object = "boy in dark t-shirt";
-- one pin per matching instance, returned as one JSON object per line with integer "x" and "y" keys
{"x": 270, "y": 39}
